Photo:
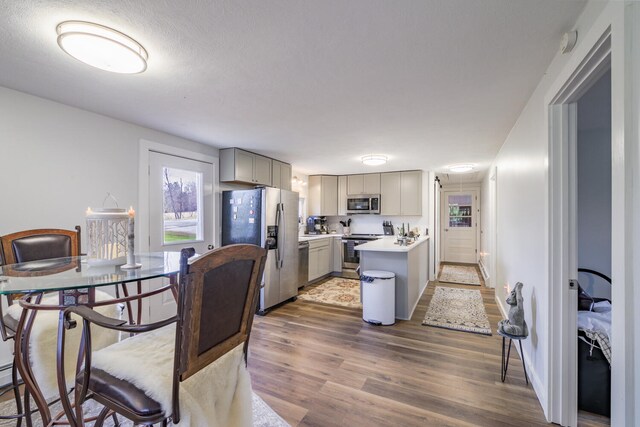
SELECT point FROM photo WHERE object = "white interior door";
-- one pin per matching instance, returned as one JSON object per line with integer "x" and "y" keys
{"x": 181, "y": 207}
{"x": 459, "y": 211}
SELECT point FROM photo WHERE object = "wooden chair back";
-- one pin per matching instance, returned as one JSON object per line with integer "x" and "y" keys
{"x": 35, "y": 245}
{"x": 217, "y": 300}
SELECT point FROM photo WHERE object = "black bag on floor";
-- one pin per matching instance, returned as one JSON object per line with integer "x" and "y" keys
{"x": 594, "y": 379}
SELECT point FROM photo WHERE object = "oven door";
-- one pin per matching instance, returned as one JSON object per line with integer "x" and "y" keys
{"x": 358, "y": 205}
{"x": 350, "y": 257}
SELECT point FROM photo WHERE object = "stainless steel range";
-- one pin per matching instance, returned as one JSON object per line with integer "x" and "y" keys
{"x": 351, "y": 257}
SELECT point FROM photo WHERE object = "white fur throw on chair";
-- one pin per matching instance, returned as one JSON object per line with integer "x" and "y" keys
{"x": 44, "y": 338}
{"x": 217, "y": 396}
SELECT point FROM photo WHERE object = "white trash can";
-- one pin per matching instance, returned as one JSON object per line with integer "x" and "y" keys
{"x": 378, "y": 297}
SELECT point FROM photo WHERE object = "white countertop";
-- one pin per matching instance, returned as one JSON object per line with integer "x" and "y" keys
{"x": 388, "y": 244}
{"x": 308, "y": 237}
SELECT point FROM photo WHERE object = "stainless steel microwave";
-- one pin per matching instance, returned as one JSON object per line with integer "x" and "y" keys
{"x": 363, "y": 204}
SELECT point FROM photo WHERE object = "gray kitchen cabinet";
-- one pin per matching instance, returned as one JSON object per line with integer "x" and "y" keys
{"x": 371, "y": 183}
{"x": 410, "y": 193}
{"x": 390, "y": 193}
{"x": 243, "y": 166}
{"x": 313, "y": 264}
{"x": 368, "y": 183}
{"x": 342, "y": 195}
{"x": 323, "y": 195}
{"x": 324, "y": 260}
{"x": 401, "y": 193}
{"x": 320, "y": 258}
{"x": 337, "y": 254}
{"x": 262, "y": 170}
{"x": 355, "y": 184}
{"x": 281, "y": 175}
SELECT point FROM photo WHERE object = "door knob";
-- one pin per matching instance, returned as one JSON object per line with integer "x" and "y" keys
{"x": 446, "y": 229}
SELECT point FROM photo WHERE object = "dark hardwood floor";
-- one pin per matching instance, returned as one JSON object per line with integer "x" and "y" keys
{"x": 321, "y": 365}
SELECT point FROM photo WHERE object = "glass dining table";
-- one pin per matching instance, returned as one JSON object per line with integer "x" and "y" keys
{"x": 74, "y": 281}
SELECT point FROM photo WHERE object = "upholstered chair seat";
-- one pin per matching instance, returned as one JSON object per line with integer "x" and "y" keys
{"x": 122, "y": 394}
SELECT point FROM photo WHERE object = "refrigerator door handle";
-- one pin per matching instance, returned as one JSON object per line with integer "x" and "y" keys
{"x": 279, "y": 242}
{"x": 282, "y": 238}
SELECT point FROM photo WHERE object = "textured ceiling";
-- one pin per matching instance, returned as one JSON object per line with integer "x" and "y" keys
{"x": 315, "y": 83}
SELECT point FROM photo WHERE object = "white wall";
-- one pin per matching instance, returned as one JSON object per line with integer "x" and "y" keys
{"x": 56, "y": 160}
{"x": 522, "y": 206}
{"x": 594, "y": 186}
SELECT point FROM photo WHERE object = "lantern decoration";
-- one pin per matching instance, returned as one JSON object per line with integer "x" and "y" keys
{"x": 108, "y": 229}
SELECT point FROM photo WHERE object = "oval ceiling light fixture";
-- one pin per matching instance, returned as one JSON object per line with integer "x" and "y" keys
{"x": 374, "y": 160}
{"x": 102, "y": 47}
{"x": 461, "y": 168}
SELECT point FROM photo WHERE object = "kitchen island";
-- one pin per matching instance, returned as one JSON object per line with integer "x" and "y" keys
{"x": 409, "y": 263}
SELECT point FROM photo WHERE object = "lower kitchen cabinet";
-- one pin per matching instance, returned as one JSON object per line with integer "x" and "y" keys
{"x": 337, "y": 254}
{"x": 320, "y": 258}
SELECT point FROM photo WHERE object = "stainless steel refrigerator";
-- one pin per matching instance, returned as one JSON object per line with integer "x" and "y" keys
{"x": 266, "y": 216}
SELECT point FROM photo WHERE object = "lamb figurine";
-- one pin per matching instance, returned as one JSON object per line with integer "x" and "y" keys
{"x": 515, "y": 324}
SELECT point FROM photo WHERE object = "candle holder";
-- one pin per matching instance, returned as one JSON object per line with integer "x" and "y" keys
{"x": 131, "y": 238}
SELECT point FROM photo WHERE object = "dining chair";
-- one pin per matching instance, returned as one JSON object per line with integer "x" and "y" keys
{"x": 39, "y": 244}
{"x": 217, "y": 297}
{"x": 24, "y": 246}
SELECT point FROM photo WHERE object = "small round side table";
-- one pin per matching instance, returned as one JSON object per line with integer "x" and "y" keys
{"x": 505, "y": 361}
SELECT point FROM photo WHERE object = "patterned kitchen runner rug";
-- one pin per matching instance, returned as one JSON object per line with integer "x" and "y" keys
{"x": 263, "y": 415}
{"x": 335, "y": 291}
{"x": 461, "y": 274}
{"x": 458, "y": 309}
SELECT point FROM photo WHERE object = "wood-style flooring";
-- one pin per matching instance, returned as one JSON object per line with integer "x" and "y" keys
{"x": 321, "y": 365}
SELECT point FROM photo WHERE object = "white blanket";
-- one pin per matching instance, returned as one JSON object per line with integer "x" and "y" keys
{"x": 44, "y": 338}
{"x": 595, "y": 321}
{"x": 217, "y": 396}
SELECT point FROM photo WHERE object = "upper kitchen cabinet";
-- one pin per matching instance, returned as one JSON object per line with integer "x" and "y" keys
{"x": 401, "y": 193}
{"x": 242, "y": 166}
{"x": 390, "y": 190}
{"x": 323, "y": 195}
{"x": 342, "y": 195}
{"x": 410, "y": 193}
{"x": 281, "y": 175}
{"x": 363, "y": 184}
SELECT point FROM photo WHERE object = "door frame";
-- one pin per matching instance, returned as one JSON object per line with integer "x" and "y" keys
{"x": 142, "y": 220}
{"x": 458, "y": 188}
{"x": 607, "y": 45}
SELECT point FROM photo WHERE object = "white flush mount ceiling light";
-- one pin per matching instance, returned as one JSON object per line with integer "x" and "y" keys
{"x": 374, "y": 160}
{"x": 102, "y": 47}
{"x": 461, "y": 168}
